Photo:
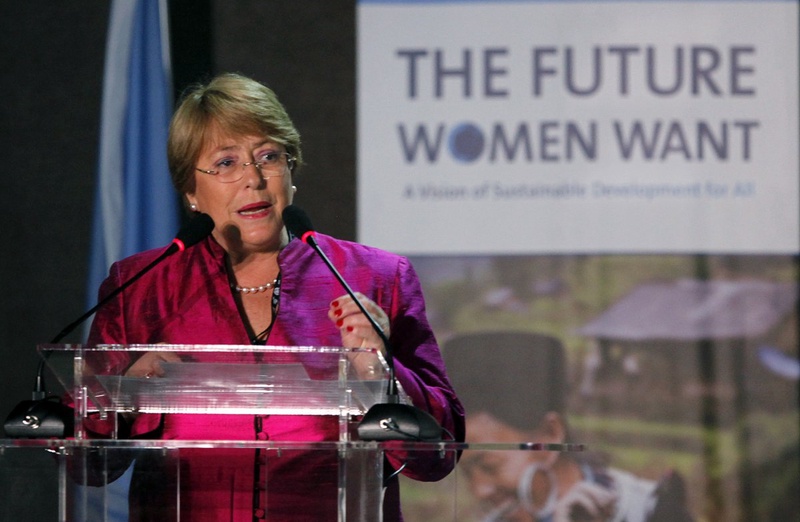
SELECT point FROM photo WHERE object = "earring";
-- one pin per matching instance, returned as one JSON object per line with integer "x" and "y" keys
{"x": 294, "y": 189}
{"x": 193, "y": 207}
{"x": 525, "y": 492}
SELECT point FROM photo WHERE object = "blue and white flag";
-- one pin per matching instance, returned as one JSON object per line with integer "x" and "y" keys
{"x": 136, "y": 207}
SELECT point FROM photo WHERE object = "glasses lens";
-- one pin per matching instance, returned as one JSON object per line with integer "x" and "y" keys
{"x": 229, "y": 171}
{"x": 273, "y": 163}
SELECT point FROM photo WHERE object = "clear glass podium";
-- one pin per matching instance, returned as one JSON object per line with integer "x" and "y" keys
{"x": 219, "y": 379}
{"x": 95, "y": 477}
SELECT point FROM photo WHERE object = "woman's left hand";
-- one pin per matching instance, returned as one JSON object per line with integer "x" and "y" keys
{"x": 354, "y": 327}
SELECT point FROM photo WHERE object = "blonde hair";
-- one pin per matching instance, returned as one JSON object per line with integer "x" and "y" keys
{"x": 233, "y": 105}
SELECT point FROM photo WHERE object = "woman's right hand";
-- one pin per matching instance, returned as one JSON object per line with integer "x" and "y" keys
{"x": 149, "y": 364}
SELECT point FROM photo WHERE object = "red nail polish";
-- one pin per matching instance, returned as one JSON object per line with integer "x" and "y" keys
{"x": 335, "y": 304}
{"x": 340, "y": 322}
{"x": 337, "y": 313}
{"x": 349, "y": 328}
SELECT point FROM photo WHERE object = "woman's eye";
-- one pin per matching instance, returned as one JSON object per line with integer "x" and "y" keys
{"x": 269, "y": 157}
{"x": 226, "y": 163}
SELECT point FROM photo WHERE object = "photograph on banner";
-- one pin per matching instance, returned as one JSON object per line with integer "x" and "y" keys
{"x": 593, "y": 127}
{"x": 678, "y": 373}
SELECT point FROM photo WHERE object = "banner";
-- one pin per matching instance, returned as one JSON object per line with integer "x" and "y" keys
{"x": 601, "y": 201}
{"x": 552, "y": 127}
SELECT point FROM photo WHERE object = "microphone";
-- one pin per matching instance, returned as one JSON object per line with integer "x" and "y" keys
{"x": 190, "y": 234}
{"x": 42, "y": 418}
{"x": 391, "y": 420}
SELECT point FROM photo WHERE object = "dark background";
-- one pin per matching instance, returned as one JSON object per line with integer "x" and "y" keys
{"x": 52, "y": 56}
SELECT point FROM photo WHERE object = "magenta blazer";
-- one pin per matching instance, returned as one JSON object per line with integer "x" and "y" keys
{"x": 188, "y": 300}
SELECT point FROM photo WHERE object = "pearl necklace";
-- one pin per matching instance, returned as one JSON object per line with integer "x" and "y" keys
{"x": 255, "y": 289}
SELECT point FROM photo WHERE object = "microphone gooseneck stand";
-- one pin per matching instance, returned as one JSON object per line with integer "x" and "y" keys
{"x": 45, "y": 416}
{"x": 390, "y": 420}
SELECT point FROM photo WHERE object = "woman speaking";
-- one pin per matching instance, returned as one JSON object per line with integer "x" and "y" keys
{"x": 233, "y": 152}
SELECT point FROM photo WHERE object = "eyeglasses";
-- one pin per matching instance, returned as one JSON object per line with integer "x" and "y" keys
{"x": 269, "y": 164}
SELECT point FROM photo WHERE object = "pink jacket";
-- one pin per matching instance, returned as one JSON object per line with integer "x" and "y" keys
{"x": 188, "y": 300}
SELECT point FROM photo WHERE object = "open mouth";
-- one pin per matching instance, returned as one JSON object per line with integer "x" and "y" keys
{"x": 255, "y": 209}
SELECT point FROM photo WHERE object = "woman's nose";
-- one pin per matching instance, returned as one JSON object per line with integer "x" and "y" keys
{"x": 253, "y": 176}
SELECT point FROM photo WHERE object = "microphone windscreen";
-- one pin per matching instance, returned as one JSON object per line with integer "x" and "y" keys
{"x": 296, "y": 221}
{"x": 197, "y": 229}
